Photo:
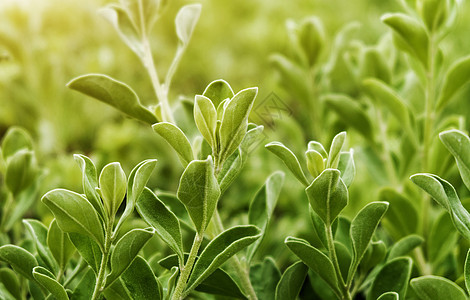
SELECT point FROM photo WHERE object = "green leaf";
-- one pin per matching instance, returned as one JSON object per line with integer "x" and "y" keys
{"x": 372, "y": 63}
{"x": 88, "y": 249}
{"x": 289, "y": 159}
{"x": 220, "y": 249}
{"x": 315, "y": 260}
{"x": 467, "y": 271}
{"x": 19, "y": 259}
{"x": 186, "y": 21}
{"x": 199, "y": 191}
{"x": 311, "y": 36}
{"x": 457, "y": 76}
{"x": 444, "y": 193}
{"x": 10, "y": 282}
{"x": 344, "y": 258}
{"x": 177, "y": 140}
{"x": 218, "y": 91}
{"x": 401, "y": 218}
{"x": 385, "y": 96}
{"x": 83, "y": 291}
{"x": 205, "y": 116}
{"x": 166, "y": 224}
{"x": 347, "y": 167}
{"x": 38, "y": 233}
{"x": 442, "y": 239}
{"x": 362, "y": 229}
{"x": 393, "y": 277}
{"x": 21, "y": 170}
{"x": 230, "y": 170}
{"x": 335, "y": 150}
{"x": 140, "y": 281}
{"x": 458, "y": 145}
{"x": 291, "y": 282}
{"x": 314, "y": 145}
{"x": 59, "y": 244}
{"x": 47, "y": 280}
{"x": 264, "y": 277}
{"x": 389, "y": 296}
{"x": 14, "y": 140}
{"x": 113, "y": 184}
{"x": 434, "y": 287}
{"x": 315, "y": 162}
{"x": 235, "y": 121}
{"x": 319, "y": 226}
{"x": 374, "y": 255}
{"x": 126, "y": 250}
{"x": 434, "y": 13}
{"x": 90, "y": 182}
{"x": 74, "y": 214}
{"x": 404, "y": 246}
{"x": 328, "y": 195}
{"x": 112, "y": 92}
{"x": 262, "y": 207}
{"x": 409, "y": 34}
{"x": 351, "y": 113}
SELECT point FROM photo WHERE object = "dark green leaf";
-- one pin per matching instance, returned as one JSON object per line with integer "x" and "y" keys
{"x": 393, "y": 277}
{"x": 114, "y": 93}
{"x": 177, "y": 140}
{"x": 289, "y": 159}
{"x": 344, "y": 258}
{"x": 435, "y": 288}
{"x": 220, "y": 249}
{"x": 458, "y": 145}
{"x": 11, "y": 283}
{"x": 38, "y": 233}
{"x": 74, "y": 214}
{"x": 291, "y": 281}
{"x": 19, "y": 259}
{"x": 404, "y": 246}
{"x": 328, "y": 195}
{"x": 264, "y": 278}
{"x": 389, "y": 296}
{"x": 47, "y": 280}
{"x": 140, "y": 281}
{"x": 467, "y": 271}
{"x": 166, "y": 224}
{"x": 199, "y": 191}
{"x": 457, "y": 76}
{"x": 59, "y": 244}
{"x": 218, "y": 91}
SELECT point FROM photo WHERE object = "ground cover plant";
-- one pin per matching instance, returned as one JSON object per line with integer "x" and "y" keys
{"x": 205, "y": 196}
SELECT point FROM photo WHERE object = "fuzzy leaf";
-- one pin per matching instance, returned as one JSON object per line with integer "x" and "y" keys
{"x": 457, "y": 76}
{"x": 291, "y": 281}
{"x": 328, "y": 195}
{"x": 289, "y": 159}
{"x": 177, "y": 140}
{"x": 235, "y": 121}
{"x": 315, "y": 163}
{"x": 220, "y": 249}
{"x": 264, "y": 277}
{"x": 88, "y": 249}
{"x": 140, "y": 281}
{"x": 113, "y": 184}
{"x": 335, "y": 150}
{"x": 404, "y": 246}
{"x": 205, "y": 116}
{"x": 315, "y": 260}
{"x": 393, "y": 277}
{"x": 38, "y": 233}
{"x": 166, "y": 224}
{"x": 434, "y": 287}
{"x": 19, "y": 259}
{"x": 262, "y": 207}
{"x": 74, "y": 213}
{"x": 199, "y": 191}
{"x": 389, "y": 296}
{"x": 230, "y": 170}
{"x": 126, "y": 250}
{"x": 218, "y": 91}
{"x": 114, "y": 93}
{"x": 458, "y": 145}
{"x": 186, "y": 21}
{"x": 47, "y": 280}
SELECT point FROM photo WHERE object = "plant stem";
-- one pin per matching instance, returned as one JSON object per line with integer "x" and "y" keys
{"x": 186, "y": 270}
{"x": 334, "y": 258}
{"x": 101, "y": 279}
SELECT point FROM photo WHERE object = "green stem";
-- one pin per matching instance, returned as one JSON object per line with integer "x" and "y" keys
{"x": 334, "y": 258}
{"x": 186, "y": 270}
{"x": 101, "y": 279}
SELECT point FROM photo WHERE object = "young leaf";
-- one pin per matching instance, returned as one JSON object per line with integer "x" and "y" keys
{"x": 289, "y": 159}
{"x": 434, "y": 13}
{"x": 291, "y": 282}
{"x": 126, "y": 250}
{"x": 88, "y": 249}
{"x": 311, "y": 36}
{"x": 166, "y": 224}
{"x": 235, "y": 121}
{"x": 264, "y": 278}
{"x": 205, "y": 116}
{"x": 458, "y": 145}
{"x": 362, "y": 229}
{"x": 457, "y": 76}
{"x": 39, "y": 236}
{"x": 19, "y": 259}
{"x": 14, "y": 140}
{"x": 220, "y": 249}
{"x": 351, "y": 113}
{"x": 230, "y": 170}
{"x": 410, "y": 35}
{"x": 113, "y": 183}
{"x": 404, "y": 246}
{"x": 90, "y": 182}
{"x": 47, "y": 280}
{"x": 467, "y": 271}
{"x": 347, "y": 167}
{"x": 393, "y": 277}
{"x": 20, "y": 171}
{"x": 186, "y": 20}
{"x": 59, "y": 244}
{"x": 315, "y": 162}
{"x": 218, "y": 91}
{"x": 335, "y": 150}
{"x": 199, "y": 191}
{"x": 315, "y": 260}
{"x": 314, "y": 145}
{"x": 328, "y": 195}
{"x": 140, "y": 281}
{"x": 10, "y": 282}
{"x": 74, "y": 214}
{"x": 177, "y": 140}
{"x": 262, "y": 207}
{"x": 434, "y": 287}
{"x": 114, "y": 93}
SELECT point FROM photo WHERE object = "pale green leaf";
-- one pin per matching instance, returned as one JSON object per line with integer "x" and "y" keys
{"x": 403, "y": 246}
{"x": 38, "y": 233}
{"x": 21, "y": 170}
{"x": 205, "y": 116}
{"x": 177, "y": 140}
{"x": 457, "y": 76}
{"x": 467, "y": 271}
{"x": 218, "y": 91}
{"x": 347, "y": 167}
{"x": 289, "y": 159}
{"x": 442, "y": 239}
{"x": 335, "y": 150}
{"x": 59, "y": 244}
{"x": 15, "y": 139}
{"x": 432, "y": 287}
{"x": 393, "y": 277}
{"x": 186, "y": 21}
{"x": 458, "y": 145}
{"x": 315, "y": 162}
{"x": 311, "y": 37}
{"x": 401, "y": 218}
{"x": 47, "y": 280}
{"x": 291, "y": 281}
